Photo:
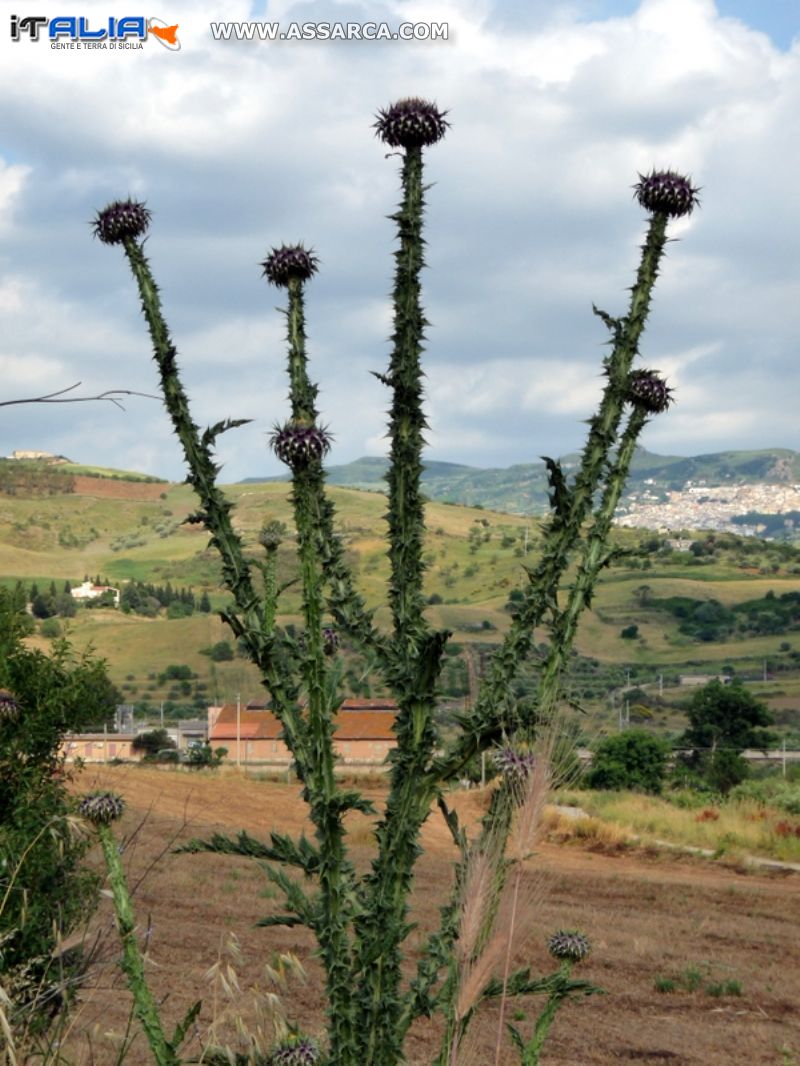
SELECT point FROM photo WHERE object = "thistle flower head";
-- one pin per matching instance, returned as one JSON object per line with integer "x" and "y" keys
{"x": 101, "y": 807}
{"x": 648, "y": 391}
{"x": 271, "y": 535}
{"x": 120, "y": 220}
{"x": 411, "y": 123}
{"x": 667, "y": 192}
{"x": 330, "y": 640}
{"x": 514, "y": 763}
{"x": 9, "y": 706}
{"x": 296, "y": 1051}
{"x": 569, "y": 944}
{"x": 287, "y": 262}
{"x": 298, "y": 445}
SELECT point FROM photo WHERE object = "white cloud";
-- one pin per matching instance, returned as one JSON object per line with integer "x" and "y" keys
{"x": 240, "y": 146}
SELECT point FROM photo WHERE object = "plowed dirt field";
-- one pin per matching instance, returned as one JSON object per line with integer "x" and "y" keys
{"x": 647, "y": 917}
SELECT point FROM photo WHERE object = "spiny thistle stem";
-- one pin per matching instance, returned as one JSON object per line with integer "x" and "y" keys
{"x": 101, "y": 810}
{"x": 415, "y": 657}
{"x": 570, "y": 507}
{"x": 569, "y": 948}
{"x": 595, "y": 556}
{"x": 482, "y": 727}
{"x": 292, "y": 267}
{"x": 202, "y": 476}
{"x": 407, "y": 421}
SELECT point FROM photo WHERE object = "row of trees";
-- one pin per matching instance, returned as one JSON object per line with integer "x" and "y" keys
{"x": 138, "y": 597}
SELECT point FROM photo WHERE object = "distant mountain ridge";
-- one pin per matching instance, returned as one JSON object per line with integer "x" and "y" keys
{"x": 523, "y": 488}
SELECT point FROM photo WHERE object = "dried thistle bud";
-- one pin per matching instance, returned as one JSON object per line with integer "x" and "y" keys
{"x": 298, "y": 445}
{"x": 296, "y": 1051}
{"x": 287, "y": 262}
{"x": 9, "y": 706}
{"x": 569, "y": 944}
{"x": 101, "y": 807}
{"x": 667, "y": 192}
{"x": 649, "y": 391}
{"x": 120, "y": 220}
{"x": 514, "y": 763}
{"x": 411, "y": 123}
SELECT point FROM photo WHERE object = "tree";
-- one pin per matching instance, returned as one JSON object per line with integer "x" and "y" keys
{"x": 723, "y": 721}
{"x": 202, "y": 755}
{"x": 153, "y": 742}
{"x": 633, "y": 759}
{"x": 44, "y": 892}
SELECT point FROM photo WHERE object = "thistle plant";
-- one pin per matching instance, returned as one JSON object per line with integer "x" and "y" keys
{"x": 361, "y": 921}
{"x": 101, "y": 809}
{"x": 568, "y": 948}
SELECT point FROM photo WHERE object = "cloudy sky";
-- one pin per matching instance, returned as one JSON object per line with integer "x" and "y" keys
{"x": 237, "y": 146}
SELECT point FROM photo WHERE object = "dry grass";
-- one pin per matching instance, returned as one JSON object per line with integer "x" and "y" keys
{"x": 745, "y": 826}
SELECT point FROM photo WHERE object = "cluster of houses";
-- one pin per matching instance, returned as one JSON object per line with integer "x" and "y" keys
{"x": 363, "y": 735}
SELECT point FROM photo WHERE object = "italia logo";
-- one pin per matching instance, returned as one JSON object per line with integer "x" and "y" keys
{"x": 113, "y": 31}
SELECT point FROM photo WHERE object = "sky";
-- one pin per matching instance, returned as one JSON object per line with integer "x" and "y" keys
{"x": 239, "y": 146}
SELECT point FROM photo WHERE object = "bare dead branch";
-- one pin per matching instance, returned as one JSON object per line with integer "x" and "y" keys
{"x": 112, "y": 395}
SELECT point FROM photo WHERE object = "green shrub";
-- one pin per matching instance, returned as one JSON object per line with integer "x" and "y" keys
{"x": 45, "y": 894}
{"x": 633, "y": 759}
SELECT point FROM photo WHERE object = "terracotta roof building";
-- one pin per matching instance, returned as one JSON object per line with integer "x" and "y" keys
{"x": 363, "y": 733}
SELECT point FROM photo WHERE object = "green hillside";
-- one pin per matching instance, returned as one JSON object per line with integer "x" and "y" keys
{"x": 522, "y": 489}
{"x": 476, "y": 559}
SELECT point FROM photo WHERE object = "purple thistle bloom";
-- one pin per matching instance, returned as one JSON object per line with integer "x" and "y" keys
{"x": 121, "y": 220}
{"x": 287, "y": 262}
{"x": 330, "y": 640}
{"x": 569, "y": 944}
{"x": 514, "y": 763}
{"x": 9, "y": 706}
{"x": 298, "y": 445}
{"x": 296, "y": 1051}
{"x": 101, "y": 807}
{"x": 649, "y": 391}
{"x": 667, "y": 192}
{"x": 411, "y": 123}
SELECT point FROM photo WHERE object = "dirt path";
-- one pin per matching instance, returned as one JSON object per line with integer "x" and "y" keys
{"x": 647, "y": 918}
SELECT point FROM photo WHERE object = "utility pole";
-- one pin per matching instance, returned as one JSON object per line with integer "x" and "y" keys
{"x": 238, "y": 730}
{"x": 661, "y": 684}
{"x": 162, "y": 714}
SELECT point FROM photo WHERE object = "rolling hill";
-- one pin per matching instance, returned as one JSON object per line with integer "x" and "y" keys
{"x": 522, "y": 488}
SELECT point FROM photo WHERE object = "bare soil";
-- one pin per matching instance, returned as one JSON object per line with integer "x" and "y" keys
{"x": 104, "y": 488}
{"x": 647, "y": 916}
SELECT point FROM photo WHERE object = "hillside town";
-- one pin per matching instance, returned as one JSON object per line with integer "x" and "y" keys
{"x": 702, "y": 506}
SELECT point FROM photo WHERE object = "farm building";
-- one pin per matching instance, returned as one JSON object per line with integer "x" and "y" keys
{"x": 363, "y": 734}
{"x": 99, "y": 747}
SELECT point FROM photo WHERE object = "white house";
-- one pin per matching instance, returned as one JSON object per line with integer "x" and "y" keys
{"x": 89, "y": 591}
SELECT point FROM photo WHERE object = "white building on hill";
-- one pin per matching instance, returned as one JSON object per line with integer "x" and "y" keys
{"x": 89, "y": 591}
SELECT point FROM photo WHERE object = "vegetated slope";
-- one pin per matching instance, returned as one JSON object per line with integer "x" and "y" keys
{"x": 522, "y": 488}
{"x": 475, "y": 560}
